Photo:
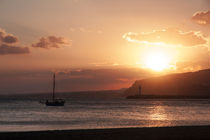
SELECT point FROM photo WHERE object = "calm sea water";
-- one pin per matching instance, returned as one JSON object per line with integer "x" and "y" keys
{"x": 29, "y": 114}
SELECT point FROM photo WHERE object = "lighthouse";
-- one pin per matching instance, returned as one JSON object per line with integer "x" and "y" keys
{"x": 139, "y": 90}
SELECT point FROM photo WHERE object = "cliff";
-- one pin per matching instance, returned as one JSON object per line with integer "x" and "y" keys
{"x": 182, "y": 84}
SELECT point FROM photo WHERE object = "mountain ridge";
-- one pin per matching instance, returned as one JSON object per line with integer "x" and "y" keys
{"x": 179, "y": 84}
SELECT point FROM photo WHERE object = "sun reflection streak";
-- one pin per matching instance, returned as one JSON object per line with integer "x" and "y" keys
{"x": 159, "y": 116}
{"x": 158, "y": 113}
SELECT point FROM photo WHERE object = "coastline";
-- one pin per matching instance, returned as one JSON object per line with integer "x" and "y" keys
{"x": 148, "y": 133}
{"x": 166, "y": 97}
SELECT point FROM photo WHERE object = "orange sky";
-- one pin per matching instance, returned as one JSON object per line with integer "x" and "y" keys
{"x": 156, "y": 36}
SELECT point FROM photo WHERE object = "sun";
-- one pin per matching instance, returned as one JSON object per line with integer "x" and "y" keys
{"x": 157, "y": 61}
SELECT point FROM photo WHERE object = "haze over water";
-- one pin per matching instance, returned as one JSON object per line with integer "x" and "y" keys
{"x": 80, "y": 113}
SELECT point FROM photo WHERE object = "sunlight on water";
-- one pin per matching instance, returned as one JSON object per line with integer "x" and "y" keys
{"x": 158, "y": 113}
{"x": 25, "y": 115}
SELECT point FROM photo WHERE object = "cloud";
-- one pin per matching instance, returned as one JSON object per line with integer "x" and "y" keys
{"x": 51, "y": 42}
{"x": 35, "y": 81}
{"x": 99, "y": 79}
{"x": 8, "y": 44}
{"x": 186, "y": 66}
{"x": 193, "y": 59}
{"x": 7, "y": 49}
{"x": 7, "y": 38}
{"x": 85, "y": 30}
{"x": 10, "y": 39}
{"x": 168, "y": 36}
{"x": 202, "y": 18}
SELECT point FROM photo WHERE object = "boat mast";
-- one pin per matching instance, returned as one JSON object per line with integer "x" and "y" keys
{"x": 53, "y": 97}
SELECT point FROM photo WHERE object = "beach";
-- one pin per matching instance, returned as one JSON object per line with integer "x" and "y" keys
{"x": 153, "y": 133}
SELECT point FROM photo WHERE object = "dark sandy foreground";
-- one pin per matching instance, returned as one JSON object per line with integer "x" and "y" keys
{"x": 168, "y": 133}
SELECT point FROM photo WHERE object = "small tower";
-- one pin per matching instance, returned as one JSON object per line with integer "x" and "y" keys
{"x": 139, "y": 90}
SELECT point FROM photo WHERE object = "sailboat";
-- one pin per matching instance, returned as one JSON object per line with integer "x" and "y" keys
{"x": 54, "y": 101}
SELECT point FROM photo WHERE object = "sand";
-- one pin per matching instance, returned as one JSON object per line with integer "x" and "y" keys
{"x": 155, "y": 133}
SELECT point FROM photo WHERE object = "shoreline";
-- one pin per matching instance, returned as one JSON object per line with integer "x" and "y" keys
{"x": 166, "y": 97}
{"x": 147, "y": 133}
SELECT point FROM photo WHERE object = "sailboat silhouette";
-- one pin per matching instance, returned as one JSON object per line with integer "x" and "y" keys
{"x": 54, "y": 101}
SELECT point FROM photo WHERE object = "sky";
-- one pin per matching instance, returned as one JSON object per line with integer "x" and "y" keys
{"x": 99, "y": 44}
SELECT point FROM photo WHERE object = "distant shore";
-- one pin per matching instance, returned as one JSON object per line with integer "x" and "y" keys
{"x": 153, "y": 133}
{"x": 165, "y": 97}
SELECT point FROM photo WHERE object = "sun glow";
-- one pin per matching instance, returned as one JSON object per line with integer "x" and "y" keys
{"x": 157, "y": 61}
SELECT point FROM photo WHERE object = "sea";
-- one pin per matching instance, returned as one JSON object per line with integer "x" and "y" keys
{"x": 29, "y": 114}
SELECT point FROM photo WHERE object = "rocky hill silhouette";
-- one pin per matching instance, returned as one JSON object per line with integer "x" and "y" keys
{"x": 181, "y": 84}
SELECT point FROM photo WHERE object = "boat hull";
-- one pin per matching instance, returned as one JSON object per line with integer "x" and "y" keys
{"x": 55, "y": 103}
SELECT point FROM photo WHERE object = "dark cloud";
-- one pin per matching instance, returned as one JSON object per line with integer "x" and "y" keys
{"x": 99, "y": 79}
{"x": 7, "y": 49}
{"x": 119, "y": 73}
{"x": 7, "y": 38}
{"x": 70, "y": 80}
{"x": 8, "y": 44}
{"x": 51, "y": 42}
{"x": 168, "y": 36}
{"x": 202, "y": 18}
